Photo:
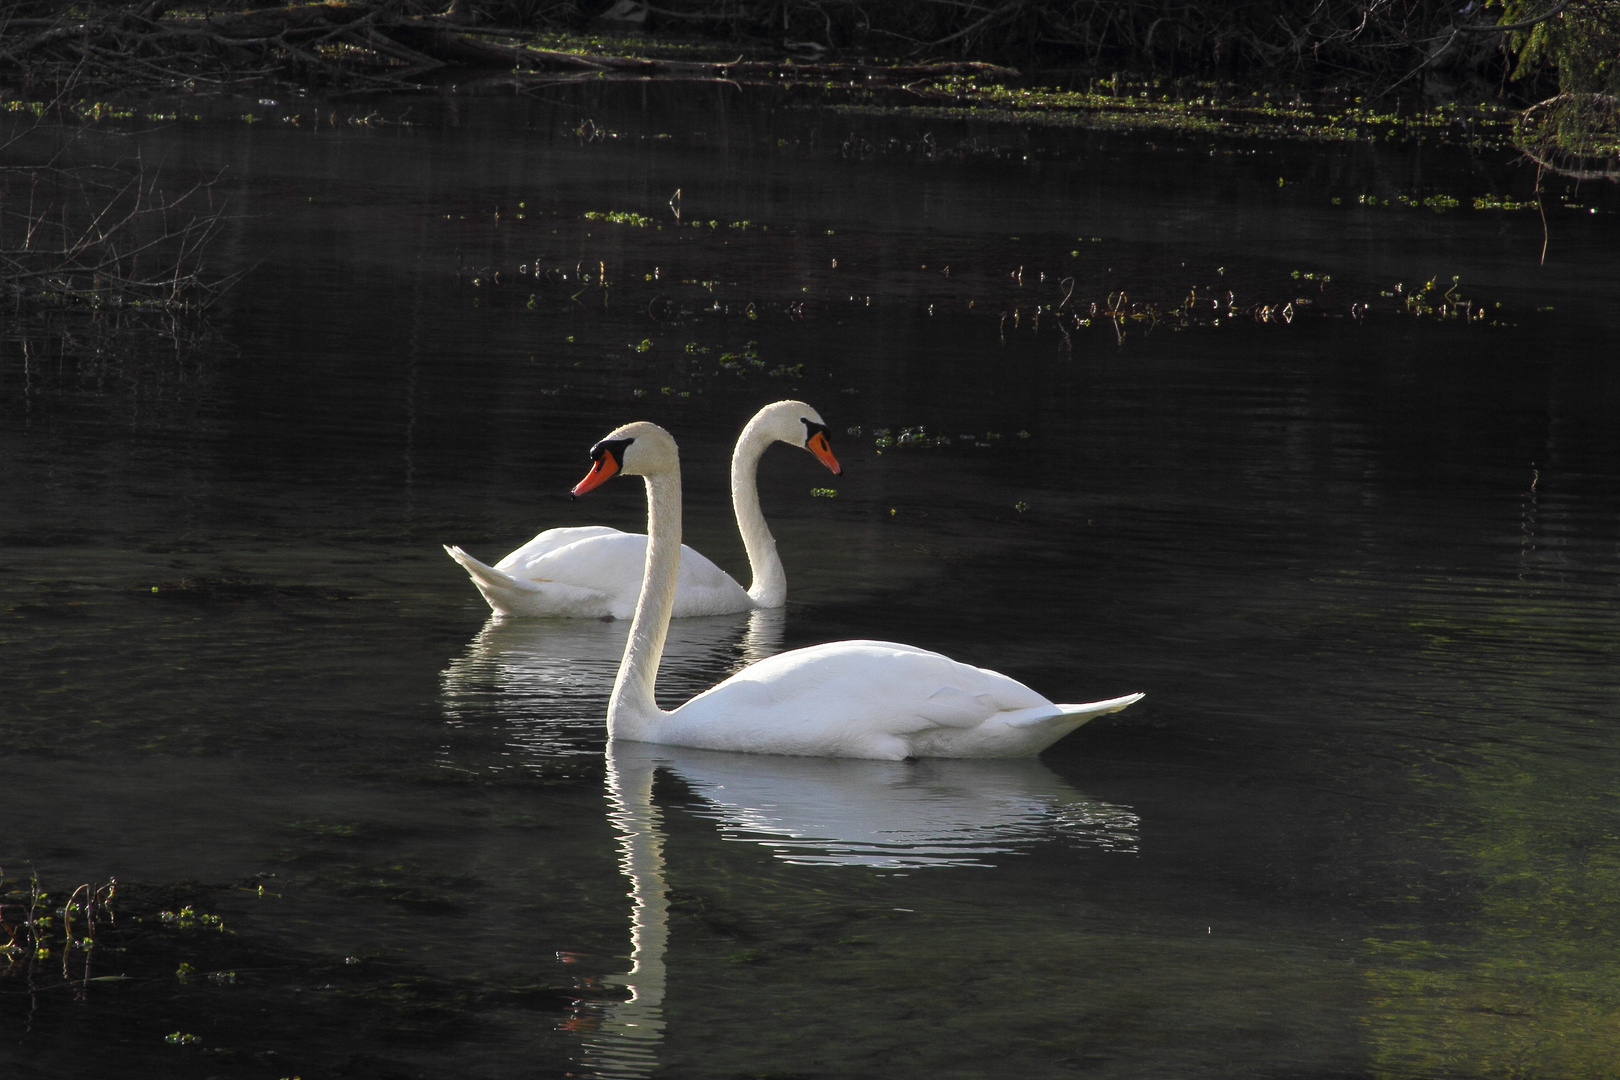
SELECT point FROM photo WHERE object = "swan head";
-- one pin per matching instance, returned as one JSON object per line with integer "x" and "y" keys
{"x": 639, "y": 449}
{"x": 797, "y": 424}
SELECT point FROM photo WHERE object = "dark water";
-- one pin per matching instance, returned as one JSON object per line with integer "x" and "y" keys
{"x": 1366, "y": 569}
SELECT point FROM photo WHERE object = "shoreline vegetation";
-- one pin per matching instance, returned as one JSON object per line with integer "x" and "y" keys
{"x": 1514, "y": 52}
{"x": 1538, "y": 76}
{"x": 1548, "y": 71}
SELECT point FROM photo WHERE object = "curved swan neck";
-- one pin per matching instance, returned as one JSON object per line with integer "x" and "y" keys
{"x": 632, "y": 709}
{"x": 769, "y": 586}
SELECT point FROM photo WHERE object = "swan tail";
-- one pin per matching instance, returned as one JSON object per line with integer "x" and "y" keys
{"x": 1098, "y": 708}
{"x": 1077, "y": 714}
{"x": 486, "y": 576}
{"x": 506, "y": 594}
{"x": 510, "y": 595}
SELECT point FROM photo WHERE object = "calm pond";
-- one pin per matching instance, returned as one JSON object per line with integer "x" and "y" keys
{"x": 1353, "y": 529}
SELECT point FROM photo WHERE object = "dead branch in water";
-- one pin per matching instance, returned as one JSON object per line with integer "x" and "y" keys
{"x": 102, "y": 236}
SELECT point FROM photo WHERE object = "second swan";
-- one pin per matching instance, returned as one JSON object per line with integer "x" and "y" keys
{"x": 594, "y": 572}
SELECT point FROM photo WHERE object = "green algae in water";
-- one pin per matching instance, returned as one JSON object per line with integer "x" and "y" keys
{"x": 1154, "y": 107}
{"x": 144, "y": 968}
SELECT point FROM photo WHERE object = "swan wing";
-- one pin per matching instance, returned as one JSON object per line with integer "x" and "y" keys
{"x": 518, "y": 561}
{"x": 851, "y": 699}
{"x": 609, "y": 563}
{"x": 702, "y": 588}
{"x": 951, "y": 706}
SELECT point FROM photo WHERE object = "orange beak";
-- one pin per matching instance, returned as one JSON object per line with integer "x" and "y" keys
{"x": 601, "y": 472}
{"x": 819, "y": 446}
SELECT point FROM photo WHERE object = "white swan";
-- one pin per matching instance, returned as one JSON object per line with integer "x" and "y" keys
{"x": 865, "y": 699}
{"x": 594, "y": 572}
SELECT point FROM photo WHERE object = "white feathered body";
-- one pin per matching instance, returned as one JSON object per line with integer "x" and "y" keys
{"x": 872, "y": 699}
{"x": 595, "y": 572}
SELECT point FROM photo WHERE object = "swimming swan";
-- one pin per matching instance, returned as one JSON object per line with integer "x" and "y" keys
{"x": 593, "y": 572}
{"x": 865, "y": 699}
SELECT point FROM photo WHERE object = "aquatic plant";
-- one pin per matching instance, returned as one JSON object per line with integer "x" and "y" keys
{"x": 27, "y": 920}
{"x": 1196, "y": 107}
{"x": 181, "y": 984}
{"x": 619, "y": 217}
{"x": 1437, "y": 203}
{"x": 1501, "y": 202}
{"x": 1440, "y": 300}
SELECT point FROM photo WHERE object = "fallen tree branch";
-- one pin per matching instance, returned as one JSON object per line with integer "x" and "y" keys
{"x": 1524, "y": 24}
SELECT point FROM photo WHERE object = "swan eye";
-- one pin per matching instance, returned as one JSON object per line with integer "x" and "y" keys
{"x": 607, "y": 458}
{"x": 611, "y": 447}
{"x": 812, "y": 429}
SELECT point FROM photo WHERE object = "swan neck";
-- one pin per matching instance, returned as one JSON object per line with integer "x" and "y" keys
{"x": 769, "y": 586}
{"x": 632, "y": 709}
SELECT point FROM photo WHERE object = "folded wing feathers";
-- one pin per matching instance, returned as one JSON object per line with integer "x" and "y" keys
{"x": 522, "y": 561}
{"x": 951, "y": 707}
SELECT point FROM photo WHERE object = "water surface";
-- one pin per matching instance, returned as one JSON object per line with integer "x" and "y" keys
{"x": 1366, "y": 570}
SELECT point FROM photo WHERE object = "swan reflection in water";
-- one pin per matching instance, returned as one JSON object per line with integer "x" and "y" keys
{"x": 894, "y": 814}
{"x": 818, "y": 812}
{"x": 550, "y": 679}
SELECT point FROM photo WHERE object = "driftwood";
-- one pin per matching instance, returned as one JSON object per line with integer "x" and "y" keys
{"x": 1376, "y": 45}
{"x": 339, "y": 44}
{"x": 467, "y": 50}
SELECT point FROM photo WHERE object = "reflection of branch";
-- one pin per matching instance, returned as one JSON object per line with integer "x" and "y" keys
{"x": 83, "y": 238}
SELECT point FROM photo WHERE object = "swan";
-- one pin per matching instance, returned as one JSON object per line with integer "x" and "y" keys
{"x": 863, "y": 699}
{"x": 594, "y": 572}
